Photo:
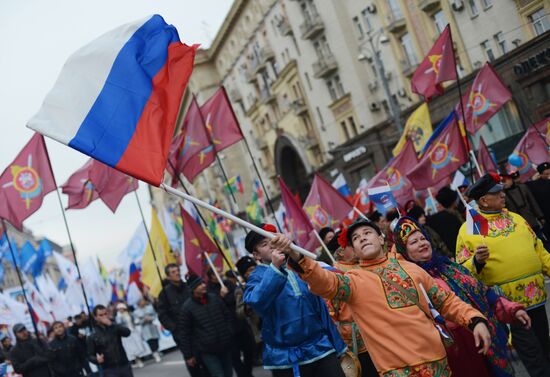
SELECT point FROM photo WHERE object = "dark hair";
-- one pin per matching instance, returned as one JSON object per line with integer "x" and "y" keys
{"x": 56, "y": 323}
{"x": 169, "y": 266}
{"x": 375, "y": 216}
{"x": 98, "y": 308}
{"x": 392, "y": 215}
{"x": 229, "y": 274}
{"x": 210, "y": 273}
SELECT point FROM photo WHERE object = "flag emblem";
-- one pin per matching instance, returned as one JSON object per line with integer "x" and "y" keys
{"x": 395, "y": 179}
{"x": 441, "y": 156}
{"x": 26, "y": 181}
{"x": 319, "y": 216}
{"x": 435, "y": 61}
{"x": 479, "y": 103}
{"x": 525, "y": 163}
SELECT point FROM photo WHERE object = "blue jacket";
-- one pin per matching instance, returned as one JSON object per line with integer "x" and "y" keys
{"x": 296, "y": 325}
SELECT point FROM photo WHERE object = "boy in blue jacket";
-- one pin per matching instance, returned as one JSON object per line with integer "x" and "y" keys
{"x": 299, "y": 335}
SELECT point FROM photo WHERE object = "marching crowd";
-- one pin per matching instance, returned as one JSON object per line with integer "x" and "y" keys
{"x": 412, "y": 295}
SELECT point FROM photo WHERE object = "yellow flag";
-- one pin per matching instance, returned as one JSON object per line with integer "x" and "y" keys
{"x": 418, "y": 128}
{"x": 149, "y": 274}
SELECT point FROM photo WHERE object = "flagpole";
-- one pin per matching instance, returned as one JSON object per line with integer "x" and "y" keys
{"x": 529, "y": 118}
{"x": 205, "y": 224}
{"x": 458, "y": 84}
{"x": 148, "y": 236}
{"x": 360, "y": 213}
{"x": 233, "y": 218}
{"x": 325, "y": 248}
{"x": 476, "y": 163}
{"x": 20, "y": 280}
{"x": 214, "y": 269}
{"x": 269, "y": 202}
{"x": 70, "y": 242}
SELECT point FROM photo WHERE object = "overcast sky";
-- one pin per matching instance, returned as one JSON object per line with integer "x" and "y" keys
{"x": 37, "y": 37}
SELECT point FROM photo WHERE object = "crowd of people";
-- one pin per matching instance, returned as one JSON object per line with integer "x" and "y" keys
{"x": 413, "y": 295}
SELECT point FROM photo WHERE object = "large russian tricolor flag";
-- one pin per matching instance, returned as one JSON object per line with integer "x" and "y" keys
{"x": 117, "y": 98}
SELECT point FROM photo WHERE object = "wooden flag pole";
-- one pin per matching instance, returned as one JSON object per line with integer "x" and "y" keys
{"x": 325, "y": 248}
{"x": 148, "y": 236}
{"x": 29, "y": 307}
{"x": 233, "y": 218}
{"x": 360, "y": 213}
{"x": 476, "y": 163}
{"x": 214, "y": 269}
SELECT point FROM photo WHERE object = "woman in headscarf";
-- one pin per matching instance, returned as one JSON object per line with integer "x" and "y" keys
{"x": 415, "y": 246}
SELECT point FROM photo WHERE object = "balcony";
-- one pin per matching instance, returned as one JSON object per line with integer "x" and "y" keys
{"x": 284, "y": 27}
{"x": 299, "y": 107}
{"x": 407, "y": 67}
{"x": 235, "y": 95}
{"x": 396, "y": 22}
{"x": 325, "y": 66}
{"x": 266, "y": 54}
{"x": 312, "y": 26}
{"x": 266, "y": 96}
{"x": 429, "y": 5}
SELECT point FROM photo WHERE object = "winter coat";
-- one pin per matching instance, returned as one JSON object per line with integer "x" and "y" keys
{"x": 170, "y": 301}
{"x": 66, "y": 357}
{"x": 446, "y": 223}
{"x": 205, "y": 326}
{"x": 107, "y": 340}
{"x": 149, "y": 329}
{"x": 296, "y": 325}
{"x": 520, "y": 200}
{"x": 31, "y": 359}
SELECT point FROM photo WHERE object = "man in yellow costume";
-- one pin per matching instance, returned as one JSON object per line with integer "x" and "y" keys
{"x": 511, "y": 257}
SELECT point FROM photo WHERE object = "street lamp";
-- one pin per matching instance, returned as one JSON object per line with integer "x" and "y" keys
{"x": 374, "y": 51}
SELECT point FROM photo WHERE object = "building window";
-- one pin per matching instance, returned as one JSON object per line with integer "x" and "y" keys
{"x": 344, "y": 129}
{"x": 353, "y": 126}
{"x": 540, "y": 22}
{"x": 473, "y": 8}
{"x": 395, "y": 9}
{"x": 487, "y": 3}
{"x": 408, "y": 49}
{"x": 358, "y": 26}
{"x": 440, "y": 21}
{"x": 501, "y": 42}
{"x": 486, "y": 47}
{"x": 366, "y": 19}
{"x": 308, "y": 82}
{"x": 335, "y": 88}
{"x": 321, "y": 120}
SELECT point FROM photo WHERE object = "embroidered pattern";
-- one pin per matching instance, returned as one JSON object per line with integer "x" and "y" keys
{"x": 438, "y": 368}
{"x": 437, "y": 296}
{"x": 344, "y": 290}
{"x": 394, "y": 272}
{"x": 528, "y": 291}
{"x": 502, "y": 225}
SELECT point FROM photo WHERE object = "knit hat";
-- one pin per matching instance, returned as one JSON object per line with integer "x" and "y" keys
{"x": 344, "y": 239}
{"x": 446, "y": 197}
{"x": 324, "y": 231}
{"x": 244, "y": 264}
{"x": 416, "y": 212}
{"x": 193, "y": 281}
{"x": 404, "y": 228}
{"x": 542, "y": 167}
{"x": 253, "y": 238}
{"x": 18, "y": 327}
{"x": 488, "y": 184}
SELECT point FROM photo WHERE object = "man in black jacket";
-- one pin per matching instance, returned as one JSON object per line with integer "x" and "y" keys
{"x": 105, "y": 345}
{"x": 540, "y": 189}
{"x": 205, "y": 327}
{"x": 30, "y": 357}
{"x": 66, "y": 353}
{"x": 448, "y": 221}
{"x": 80, "y": 330}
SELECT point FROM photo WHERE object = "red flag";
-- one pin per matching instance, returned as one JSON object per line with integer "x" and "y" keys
{"x": 445, "y": 155}
{"x": 532, "y": 149}
{"x": 79, "y": 188}
{"x": 111, "y": 184}
{"x": 437, "y": 67}
{"x": 26, "y": 181}
{"x": 298, "y": 222}
{"x": 394, "y": 172}
{"x": 486, "y": 97}
{"x": 325, "y": 205}
{"x": 191, "y": 151}
{"x": 196, "y": 241}
{"x": 485, "y": 159}
{"x": 97, "y": 180}
{"x": 220, "y": 121}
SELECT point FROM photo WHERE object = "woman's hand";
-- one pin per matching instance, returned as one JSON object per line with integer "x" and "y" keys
{"x": 522, "y": 317}
{"x": 482, "y": 337}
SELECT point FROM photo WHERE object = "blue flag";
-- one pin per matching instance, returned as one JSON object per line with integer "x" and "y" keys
{"x": 383, "y": 198}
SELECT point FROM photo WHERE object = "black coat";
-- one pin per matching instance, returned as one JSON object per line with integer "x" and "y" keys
{"x": 31, "y": 359}
{"x": 169, "y": 304}
{"x": 108, "y": 341}
{"x": 540, "y": 190}
{"x": 520, "y": 200}
{"x": 67, "y": 361}
{"x": 446, "y": 224}
{"x": 205, "y": 327}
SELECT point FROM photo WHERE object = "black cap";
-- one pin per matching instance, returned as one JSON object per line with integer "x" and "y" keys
{"x": 193, "y": 281}
{"x": 253, "y": 238}
{"x": 446, "y": 196}
{"x": 18, "y": 327}
{"x": 333, "y": 244}
{"x": 513, "y": 174}
{"x": 542, "y": 167}
{"x": 361, "y": 222}
{"x": 324, "y": 231}
{"x": 416, "y": 212}
{"x": 489, "y": 183}
{"x": 244, "y": 264}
